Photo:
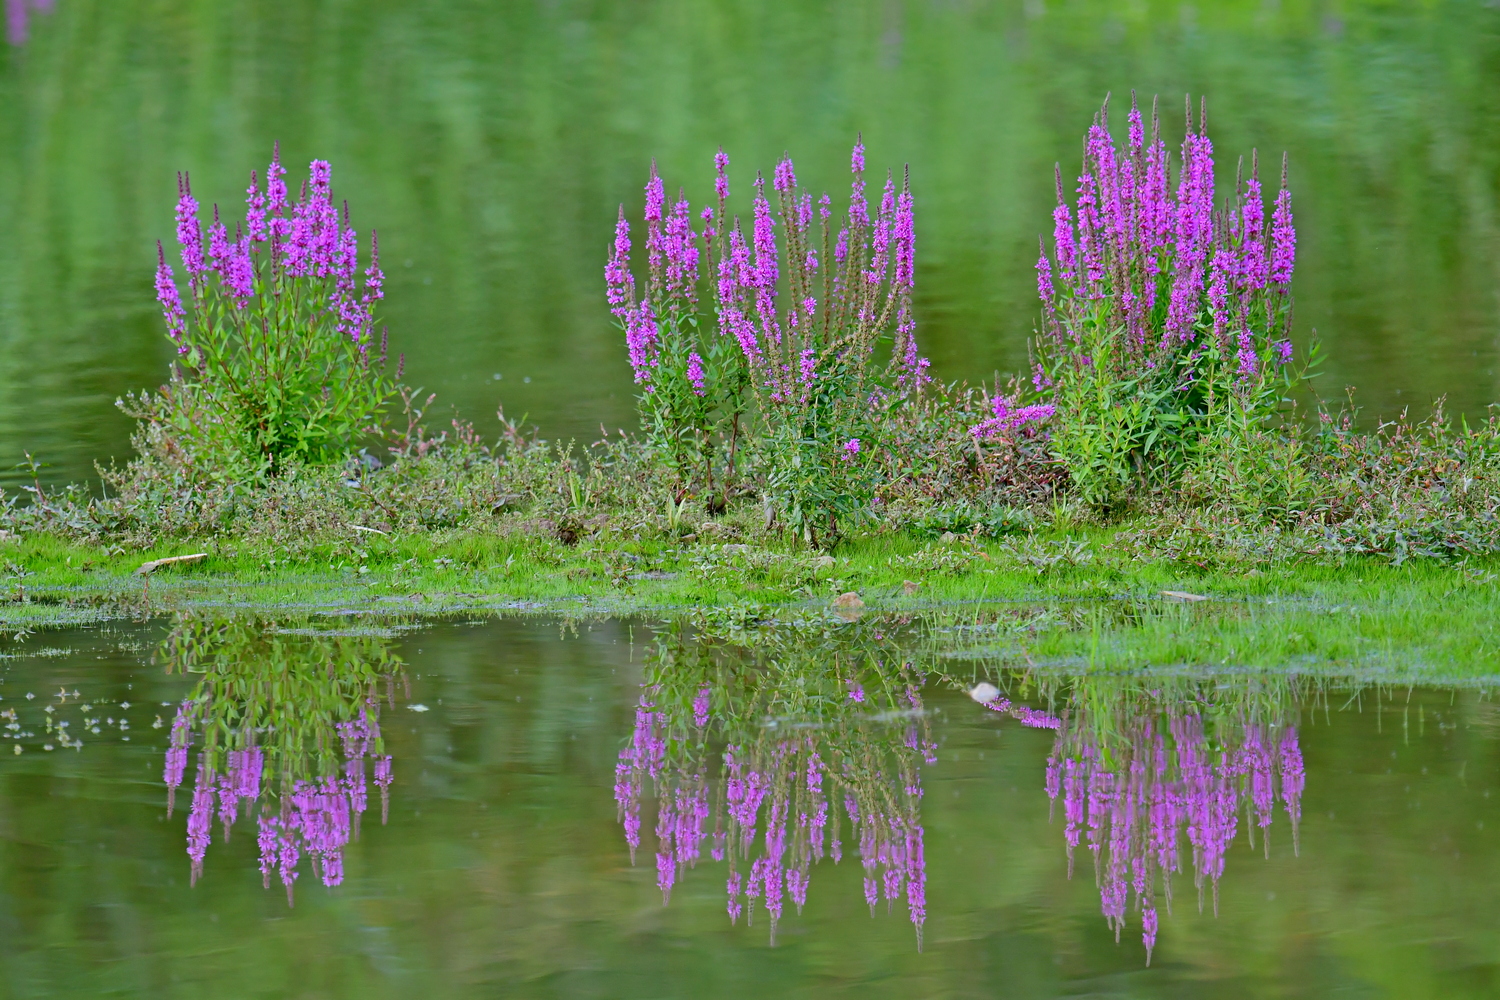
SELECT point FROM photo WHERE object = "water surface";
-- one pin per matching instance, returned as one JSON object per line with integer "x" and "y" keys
{"x": 504, "y": 864}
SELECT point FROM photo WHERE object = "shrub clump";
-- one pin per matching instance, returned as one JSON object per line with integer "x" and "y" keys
{"x": 1166, "y": 318}
{"x": 277, "y": 364}
{"x": 775, "y": 351}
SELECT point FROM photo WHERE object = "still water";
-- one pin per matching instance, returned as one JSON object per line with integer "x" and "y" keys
{"x": 491, "y": 143}
{"x": 241, "y": 807}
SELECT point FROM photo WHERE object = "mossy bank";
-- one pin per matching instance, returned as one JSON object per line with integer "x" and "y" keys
{"x": 1076, "y": 598}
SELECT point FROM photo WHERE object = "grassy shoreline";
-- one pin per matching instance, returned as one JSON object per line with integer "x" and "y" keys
{"x": 1065, "y": 599}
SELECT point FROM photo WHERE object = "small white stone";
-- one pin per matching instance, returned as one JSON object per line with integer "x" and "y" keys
{"x": 984, "y": 692}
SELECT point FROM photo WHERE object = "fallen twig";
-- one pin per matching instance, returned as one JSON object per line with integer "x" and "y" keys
{"x": 156, "y": 564}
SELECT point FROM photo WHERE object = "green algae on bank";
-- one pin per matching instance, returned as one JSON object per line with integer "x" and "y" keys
{"x": 1065, "y": 600}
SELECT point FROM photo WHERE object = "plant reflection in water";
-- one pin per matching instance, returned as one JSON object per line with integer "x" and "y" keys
{"x": 1143, "y": 767}
{"x": 285, "y": 725}
{"x": 773, "y": 749}
{"x": 815, "y": 742}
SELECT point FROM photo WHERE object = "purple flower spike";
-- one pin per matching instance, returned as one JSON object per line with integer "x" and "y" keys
{"x": 374, "y": 276}
{"x": 785, "y": 178}
{"x": 916, "y": 880}
{"x": 1283, "y": 240}
{"x": 255, "y": 211}
{"x": 276, "y": 197}
{"x": 1293, "y": 777}
{"x": 617, "y": 276}
{"x": 641, "y": 336}
{"x": 189, "y": 235}
{"x": 383, "y": 779}
{"x": 1249, "y": 366}
{"x": 700, "y": 707}
{"x": 1253, "y": 264}
{"x": 851, "y": 449}
{"x": 656, "y": 196}
{"x": 218, "y": 245}
{"x": 808, "y": 367}
{"x": 735, "y": 889}
{"x": 1034, "y": 719}
{"x": 721, "y": 178}
{"x": 904, "y": 241}
{"x": 1044, "y": 278}
{"x": 1009, "y": 417}
{"x": 679, "y": 247}
{"x": 200, "y": 820}
{"x": 1062, "y": 235}
{"x": 170, "y": 299}
{"x": 239, "y": 273}
{"x": 267, "y": 840}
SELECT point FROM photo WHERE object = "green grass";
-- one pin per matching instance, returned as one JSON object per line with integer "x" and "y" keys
{"x": 1058, "y": 599}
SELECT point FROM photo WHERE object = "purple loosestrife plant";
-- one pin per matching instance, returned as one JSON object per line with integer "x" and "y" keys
{"x": 279, "y": 361}
{"x": 1165, "y": 317}
{"x": 816, "y": 366}
{"x": 686, "y": 376}
{"x": 793, "y": 322}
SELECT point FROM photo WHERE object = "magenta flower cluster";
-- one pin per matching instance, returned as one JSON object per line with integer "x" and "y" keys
{"x": 790, "y": 316}
{"x": 1183, "y": 279}
{"x": 1134, "y": 804}
{"x": 1009, "y": 418}
{"x": 1024, "y": 714}
{"x": 280, "y": 242}
{"x": 238, "y": 784}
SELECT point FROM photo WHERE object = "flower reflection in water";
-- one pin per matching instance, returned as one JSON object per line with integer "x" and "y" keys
{"x": 1149, "y": 779}
{"x": 286, "y": 726}
{"x": 803, "y": 767}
